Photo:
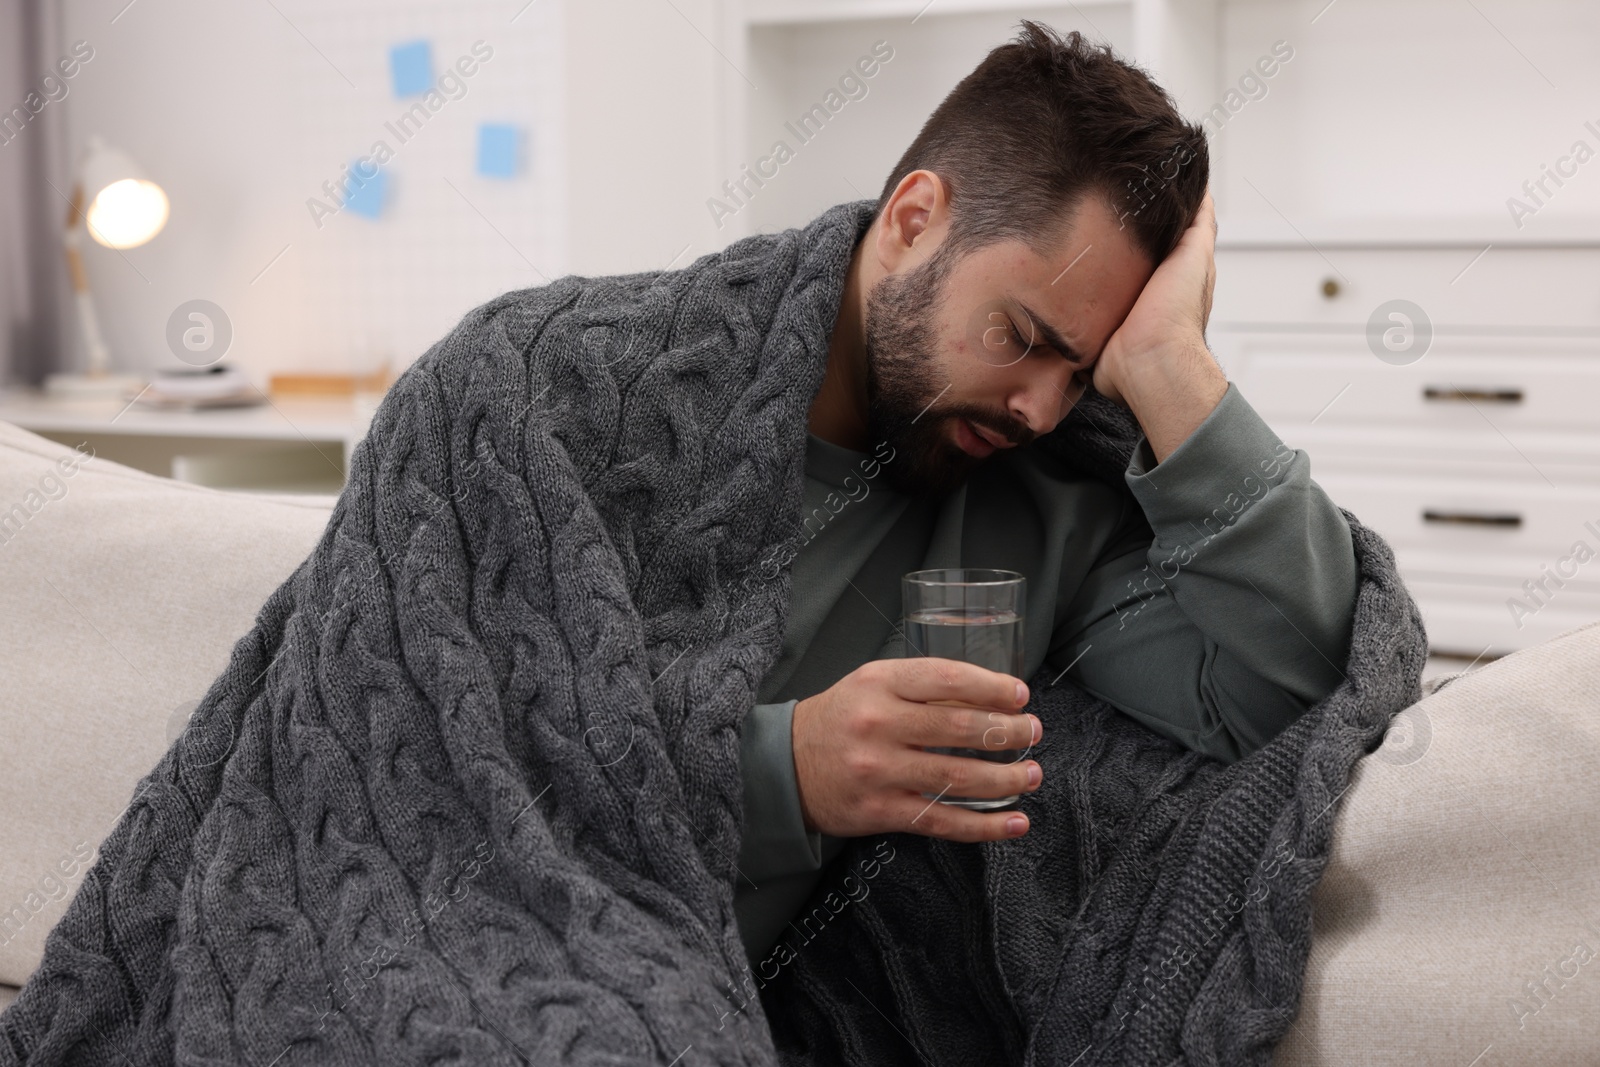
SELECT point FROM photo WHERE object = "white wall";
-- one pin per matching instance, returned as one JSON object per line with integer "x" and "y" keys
{"x": 644, "y": 93}
{"x": 242, "y": 112}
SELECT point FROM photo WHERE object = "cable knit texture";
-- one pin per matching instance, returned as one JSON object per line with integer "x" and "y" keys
{"x": 468, "y": 791}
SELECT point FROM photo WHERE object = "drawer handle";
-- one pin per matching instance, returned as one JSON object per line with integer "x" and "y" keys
{"x": 1472, "y": 518}
{"x": 1491, "y": 396}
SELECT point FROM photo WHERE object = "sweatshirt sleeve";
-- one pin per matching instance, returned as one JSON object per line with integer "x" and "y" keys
{"x": 776, "y": 841}
{"x": 1220, "y": 610}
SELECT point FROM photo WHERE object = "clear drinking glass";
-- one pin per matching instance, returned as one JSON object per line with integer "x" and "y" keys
{"x": 972, "y": 614}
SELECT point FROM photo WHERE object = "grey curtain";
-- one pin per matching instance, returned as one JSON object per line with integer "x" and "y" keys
{"x": 33, "y": 279}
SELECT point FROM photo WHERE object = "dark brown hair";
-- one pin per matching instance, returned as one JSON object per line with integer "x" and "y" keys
{"x": 1045, "y": 120}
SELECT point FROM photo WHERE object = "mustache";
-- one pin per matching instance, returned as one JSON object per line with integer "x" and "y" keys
{"x": 998, "y": 425}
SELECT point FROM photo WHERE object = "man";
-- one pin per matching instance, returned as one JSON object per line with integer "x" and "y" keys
{"x": 1049, "y": 230}
{"x": 492, "y": 743}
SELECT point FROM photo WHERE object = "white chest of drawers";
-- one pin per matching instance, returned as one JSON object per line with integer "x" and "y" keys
{"x": 1479, "y": 461}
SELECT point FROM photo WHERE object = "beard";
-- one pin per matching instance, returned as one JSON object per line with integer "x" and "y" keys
{"x": 904, "y": 384}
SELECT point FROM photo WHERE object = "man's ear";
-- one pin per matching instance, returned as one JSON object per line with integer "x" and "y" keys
{"x": 917, "y": 212}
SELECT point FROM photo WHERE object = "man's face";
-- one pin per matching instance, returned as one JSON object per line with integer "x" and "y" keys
{"x": 979, "y": 353}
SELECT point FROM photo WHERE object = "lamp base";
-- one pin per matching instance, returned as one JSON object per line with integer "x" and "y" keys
{"x": 91, "y": 386}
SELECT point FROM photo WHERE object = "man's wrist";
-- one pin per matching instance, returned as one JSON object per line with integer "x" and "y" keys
{"x": 776, "y": 840}
{"x": 1232, "y": 458}
{"x": 1170, "y": 391}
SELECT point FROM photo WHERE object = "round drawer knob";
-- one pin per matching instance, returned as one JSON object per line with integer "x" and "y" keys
{"x": 1330, "y": 287}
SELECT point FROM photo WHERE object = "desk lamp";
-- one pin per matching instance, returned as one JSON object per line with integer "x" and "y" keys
{"x": 125, "y": 209}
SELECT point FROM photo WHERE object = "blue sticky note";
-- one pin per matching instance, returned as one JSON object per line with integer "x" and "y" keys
{"x": 498, "y": 149}
{"x": 411, "y": 68}
{"x": 368, "y": 188}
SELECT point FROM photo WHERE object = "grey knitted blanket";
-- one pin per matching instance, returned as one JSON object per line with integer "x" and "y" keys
{"x": 469, "y": 789}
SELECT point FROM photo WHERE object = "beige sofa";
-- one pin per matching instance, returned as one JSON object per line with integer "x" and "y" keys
{"x": 1458, "y": 922}
{"x": 121, "y": 596}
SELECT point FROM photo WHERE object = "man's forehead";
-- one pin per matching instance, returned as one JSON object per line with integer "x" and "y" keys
{"x": 1094, "y": 271}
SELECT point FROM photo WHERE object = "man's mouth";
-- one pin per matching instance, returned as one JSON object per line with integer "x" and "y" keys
{"x": 976, "y": 440}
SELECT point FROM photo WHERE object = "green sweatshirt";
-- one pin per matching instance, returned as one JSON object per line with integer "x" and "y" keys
{"x": 1215, "y": 612}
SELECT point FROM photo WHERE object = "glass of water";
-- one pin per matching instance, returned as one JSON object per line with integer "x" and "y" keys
{"x": 975, "y": 615}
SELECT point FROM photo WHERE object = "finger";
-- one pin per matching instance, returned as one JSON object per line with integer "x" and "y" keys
{"x": 928, "y": 678}
{"x": 933, "y": 819}
{"x": 939, "y": 725}
{"x": 1202, "y": 229}
{"x": 937, "y": 774}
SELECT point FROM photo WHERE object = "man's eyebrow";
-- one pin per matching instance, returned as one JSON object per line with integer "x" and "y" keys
{"x": 1051, "y": 337}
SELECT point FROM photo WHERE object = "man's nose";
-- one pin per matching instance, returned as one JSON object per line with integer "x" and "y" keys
{"x": 1047, "y": 399}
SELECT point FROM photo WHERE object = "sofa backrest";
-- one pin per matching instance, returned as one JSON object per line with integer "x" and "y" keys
{"x": 122, "y": 595}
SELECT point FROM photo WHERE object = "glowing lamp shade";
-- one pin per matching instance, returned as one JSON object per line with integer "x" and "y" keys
{"x": 127, "y": 213}
{"x": 125, "y": 208}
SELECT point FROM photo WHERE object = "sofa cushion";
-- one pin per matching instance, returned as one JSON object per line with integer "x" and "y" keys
{"x": 121, "y": 597}
{"x": 1458, "y": 919}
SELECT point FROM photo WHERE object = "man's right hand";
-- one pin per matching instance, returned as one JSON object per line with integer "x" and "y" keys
{"x": 859, "y": 760}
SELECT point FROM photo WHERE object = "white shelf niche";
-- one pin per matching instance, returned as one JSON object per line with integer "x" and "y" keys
{"x": 790, "y": 53}
{"x": 1397, "y": 123}
{"x": 1408, "y": 123}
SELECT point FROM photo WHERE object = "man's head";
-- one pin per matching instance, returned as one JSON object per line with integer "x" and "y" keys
{"x": 1011, "y": 240}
